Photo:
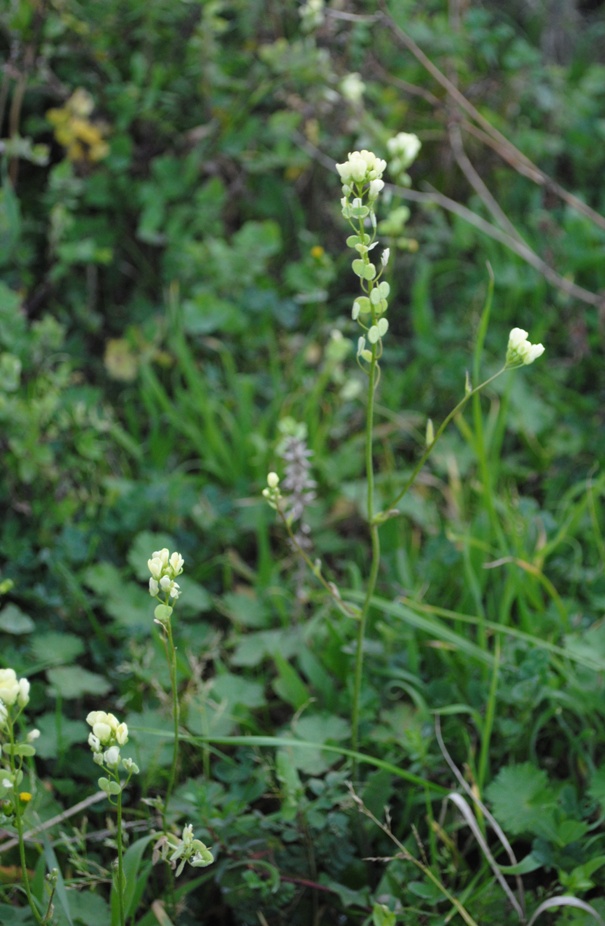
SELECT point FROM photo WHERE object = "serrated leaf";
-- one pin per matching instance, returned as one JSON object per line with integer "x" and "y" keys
{"x": 14, "y": 620}
{"x": 523, "y": 800}
{"x": 58, "y": 733}
{"x": 74, "y": 682}
{"x": 317, "y": 728}
{"x": 56, "y": 648}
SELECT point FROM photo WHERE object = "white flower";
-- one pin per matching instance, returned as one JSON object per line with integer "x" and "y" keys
{"x": 9, "y": 686}
{"x": 122, "y": 734}
{"x": 130, "y": 765}
{"x": 112, "y": 757}
{"x": 23, "y": 696}
{"x": 361, "y": 167}
{"x": 520, "y": 351}
{"x": 33, "y": 735}
{"x": 189, "y": 849}
{"x": 105, "y": 728}
{"x": 271, "y": 491}
{"x": 103, "y": 732}
{"x": 374, "y": 189}
{"x": 164, "y": 568}
{"x": 158, "y": 561}
{"x": 352, "y": 87}
{"x": 312, "y": 14}
{"x": 405, "y": 148}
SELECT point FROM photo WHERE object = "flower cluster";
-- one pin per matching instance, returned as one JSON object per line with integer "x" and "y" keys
{"x": 297, "y": 481}
{"x": 164, "y": 569}
{"x": 182, "y": 849}
{"x": 360, "y": 173}
{"x": 520, "y": 351}
{"x": 271, "y": 491}
{"x": 361, "y": 177}
{"x": 14, "y": 697}
{"x": 352, "y": 88}
{"x": 403, "y": 149}
{"x": 82, "y": 139}
{"x": 108, "y": 735}
{"x": 13, "y": 690}
{"x": 312, "y": 15}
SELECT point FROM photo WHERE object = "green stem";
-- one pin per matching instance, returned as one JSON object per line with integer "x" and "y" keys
{"x": 120, "y": 861}
{"x": 19, "y": 827}
{"x": 375, "y": 559}
{"x": 345, "y": 608}
{"x": 171, "y": 655}
{"x": 446, "y": 421}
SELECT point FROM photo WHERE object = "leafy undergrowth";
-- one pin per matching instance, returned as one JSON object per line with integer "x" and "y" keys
{"x": 176, "y": 298}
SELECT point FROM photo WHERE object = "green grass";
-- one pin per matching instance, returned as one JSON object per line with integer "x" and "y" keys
{"x": 162, "y": 310}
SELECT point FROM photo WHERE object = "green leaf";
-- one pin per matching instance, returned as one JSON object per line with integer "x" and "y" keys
{"x": 237, "y": 690}
{"x": 523, "y": 801}
{"x": 291, "y": 786}
{"x": 245, "y": 610}
{"x": 130, "y": 606}
{"x": 58, "y": 733}
{"x": 289, "y": 686}
{"x": 317, "y": 728}
{"x": 86, "y": 909}
{"x": 135, "y": 874}
{"x": 254, "y": 647}
{"x": 19, "y": 749}
{"x": 580, "y": 878}
{"x": 56, "y": 648}
{"x": 429, "y": 892}
{"x": 74, "y": 682}
{"x": 596, "y": 789}
{"x": 14, "y": 620}
{"x": 528, "y": 864}
{"x": 64, "y": 906}
{"x": 194, "y": 598}
{"x": 163, "y": 613}
{"x": 382, "y": 916}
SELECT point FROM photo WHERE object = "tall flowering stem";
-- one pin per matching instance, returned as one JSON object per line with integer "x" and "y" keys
{"x": 14, "y": 697}
{"x": 165, "y": 569}
{"x": 361, "y": 176}
{"x": 106, "y": 739}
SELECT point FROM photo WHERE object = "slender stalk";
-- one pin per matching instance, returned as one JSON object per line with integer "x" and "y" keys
{"x": 176, "y": 712}
{"x": 446, "y": 421}
{"x": 120, "y": 860}
{"x": 375, "y": 557}
{"x": 19, "y": 827}
{"x": 30, "y": 897}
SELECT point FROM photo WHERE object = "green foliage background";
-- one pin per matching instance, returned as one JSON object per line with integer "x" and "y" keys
{"x": 165, "y": 302}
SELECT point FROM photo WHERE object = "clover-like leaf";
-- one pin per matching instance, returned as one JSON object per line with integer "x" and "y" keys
{"x": 523, "y": 800}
